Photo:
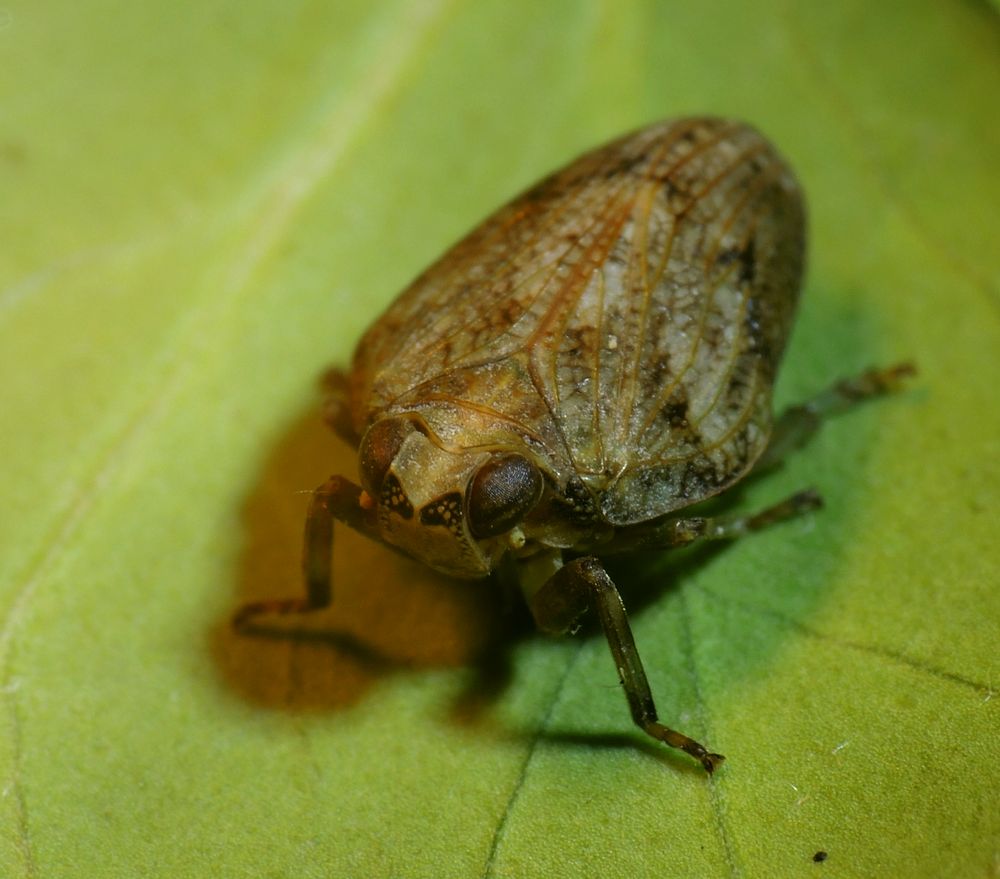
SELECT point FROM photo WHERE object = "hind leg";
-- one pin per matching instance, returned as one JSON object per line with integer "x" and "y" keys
{"x": 336, "y": 409}
{"x": 797, "y": 424}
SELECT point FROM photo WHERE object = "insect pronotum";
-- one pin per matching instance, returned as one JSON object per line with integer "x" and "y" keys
{"x": 562, "y": 384}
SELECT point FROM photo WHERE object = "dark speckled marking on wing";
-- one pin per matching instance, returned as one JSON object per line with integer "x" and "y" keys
{"x": 624, "y": 318}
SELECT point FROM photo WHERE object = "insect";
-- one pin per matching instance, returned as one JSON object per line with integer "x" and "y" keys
{"x": 562, "y": 384}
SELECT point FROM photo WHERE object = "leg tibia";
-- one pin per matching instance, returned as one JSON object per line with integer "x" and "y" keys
{"x": 585, "y": 583}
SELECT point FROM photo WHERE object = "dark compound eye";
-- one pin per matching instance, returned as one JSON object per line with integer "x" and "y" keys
{"x": 502, "y": 491}
{"x": 379, "y": 448}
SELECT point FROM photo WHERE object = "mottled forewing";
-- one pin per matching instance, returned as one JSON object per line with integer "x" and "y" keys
{"x": 624, "y": 317}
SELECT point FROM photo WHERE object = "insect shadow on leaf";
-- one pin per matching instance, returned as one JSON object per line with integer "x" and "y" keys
{"x": 390, "y": 616}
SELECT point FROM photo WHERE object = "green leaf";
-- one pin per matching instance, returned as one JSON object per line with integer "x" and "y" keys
{"x": 203, "y": 205}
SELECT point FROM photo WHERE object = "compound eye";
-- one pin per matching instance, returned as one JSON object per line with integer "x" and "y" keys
{"x": 379, "y": 448}
{"x": 501, "y": 493}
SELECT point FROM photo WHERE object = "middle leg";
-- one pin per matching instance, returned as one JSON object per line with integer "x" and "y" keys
{"x": 682, "y": 531}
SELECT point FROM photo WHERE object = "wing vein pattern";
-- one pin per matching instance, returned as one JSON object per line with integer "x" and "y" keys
{"x": 622, "y": 320}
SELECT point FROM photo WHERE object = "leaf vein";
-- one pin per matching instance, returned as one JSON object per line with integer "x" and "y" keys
{"x": 895, "y": 656}
{"x": 297, "y": 179}
{"x": 529, "y": 756}
{"x": 716, "y": 796}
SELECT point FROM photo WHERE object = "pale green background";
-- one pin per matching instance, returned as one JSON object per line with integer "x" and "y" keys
{"x": 202, "y": 205}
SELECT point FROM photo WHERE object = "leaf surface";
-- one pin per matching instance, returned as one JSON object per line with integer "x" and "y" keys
{"x": 202, "y": 206}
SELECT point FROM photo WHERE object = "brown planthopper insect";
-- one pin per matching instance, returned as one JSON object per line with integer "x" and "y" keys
{"x": 593, "y": 359}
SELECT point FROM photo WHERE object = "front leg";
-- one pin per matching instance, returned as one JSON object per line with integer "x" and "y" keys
{"x": 583, "y": 584}
{"x": 337, "y": 498}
